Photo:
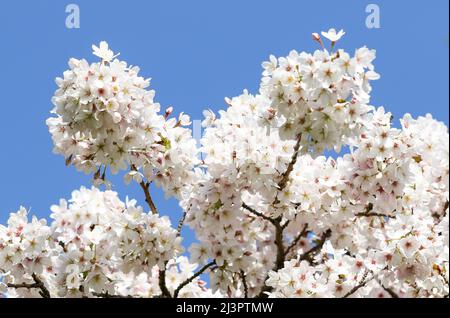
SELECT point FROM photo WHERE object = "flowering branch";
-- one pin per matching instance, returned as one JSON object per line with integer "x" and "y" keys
{"x": 148, "y": 198}
{"x": 145, "y": 187}
{"x": 295, "y": 241}
{"x": 362, "y": 283}
{"x": 190, "y": 279}
{"x": 308, "y": 256}
{"x": 388, "y": 290}
{"x": 369, "y": 214}
{"x": 181, "y": 222}
{"x": 43, "y": 291}
{"x": 286, "y": 174}
{"x": 259, "y": 214}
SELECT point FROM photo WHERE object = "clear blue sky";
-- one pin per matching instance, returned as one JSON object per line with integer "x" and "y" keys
{"x": 197, "y": 52}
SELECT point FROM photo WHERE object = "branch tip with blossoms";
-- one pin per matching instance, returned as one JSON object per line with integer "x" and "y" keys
{"x": 145, "y": 186}
{"x": 309, "y": 255}
{"x": 38, "y": 284}
{"x": 362, "y": 283}
{"x": 294, "y": 242}
{"x": 388, "y": 290}
{"x": 190, "y": 279}
{"x": 285, "y": 177}
{"x": 259, "y": 214}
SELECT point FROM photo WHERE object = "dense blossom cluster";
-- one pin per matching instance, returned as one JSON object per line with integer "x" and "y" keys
{"x": 91, "y": 242}
{"x": 323, "y": 96}
{"x": 106, "y": 117}
{"x": 274, "y": 214}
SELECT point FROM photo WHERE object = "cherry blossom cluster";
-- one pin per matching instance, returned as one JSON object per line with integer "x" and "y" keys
{"x": 324, "y": 96}
{"x": 379, "y": 169}
{"x": 92, "y": 239}
{"x": 107, "y": 118}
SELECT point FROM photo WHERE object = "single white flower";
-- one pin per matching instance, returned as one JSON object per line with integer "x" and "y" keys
{"x": 332, "y": 35}
{"x": 104, "y": 52}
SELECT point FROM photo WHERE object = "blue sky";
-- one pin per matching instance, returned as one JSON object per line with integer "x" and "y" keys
{"x": 197, "y": 52}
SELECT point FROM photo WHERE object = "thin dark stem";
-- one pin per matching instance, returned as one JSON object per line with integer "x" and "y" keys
{"x": 148, "y": 198}
{"x": 108, "y": 295}
{"x": 361, "y": 284}
{"x": 244, "y": 283}
{"x": 308, "y": 256}
{"x": 145, "y": 187}
{"x": 296, "y": 240}
{"x": 259, "y": 214}
{"x": 38, "y": 284}
{"x": 190, "y": 279}
{"x": 388, "y": 290}
{"x": 180, "y": 223}
{"x": 369, "y": 214}
{"x": 286, "y": 174}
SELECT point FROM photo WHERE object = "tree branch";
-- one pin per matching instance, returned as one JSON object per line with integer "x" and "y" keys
{"x": 180, "y": 223}
{"x": 279, "y": 262}
{"x": 148, "y": 198}
{"x": 190, "y": 279}
{"x": 259, "y": 214}
{"x": 361, "y": 284}
{"x": 308, "y": 256}
{"x": 286, "y": 174}
{"x": 108, "y": 295}
{"x": 279, "y": 244}
{"x": 388, "y": 290}
{"x": 369, "y": 214}
{"x": 244, "y": 282}
{"x": 38, "y": 284}
{"x": 145, "y": 187}
{"x": 162, "y": 283}
{"x": 296, "y": 240}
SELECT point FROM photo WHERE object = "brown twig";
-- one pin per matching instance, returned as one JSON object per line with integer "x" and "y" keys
{"x": 308, "y": 256}
{"x": 388, "y": 290}
{"x": 369, "y": 214}
{"x": 361, "y": 284}
{"x": 244, "y": 283}
{"x": 180, "y": 223}
{"x": 148, "y": 198}
{"x": 145, "y": 187}
{"x": 286, "y": 174}
{"x": 38, "y": 284}
{"x": 296, "y": 240}
{"x": 259, "y": 214}
{"x": 108, "y": 295}
{"x": 190, "y": 279}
